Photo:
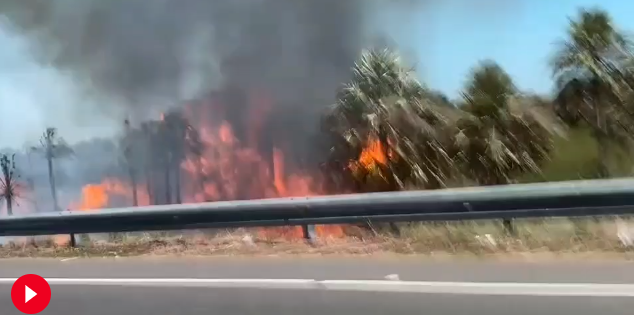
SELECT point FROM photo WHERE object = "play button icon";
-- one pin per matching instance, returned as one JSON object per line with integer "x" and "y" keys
{"x": 30, "y": 294}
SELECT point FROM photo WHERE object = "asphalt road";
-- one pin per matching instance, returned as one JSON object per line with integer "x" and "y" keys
{"x": 108, "y": 300}
{"x": 494, "y": 288}
{"x": 411, "y": 269}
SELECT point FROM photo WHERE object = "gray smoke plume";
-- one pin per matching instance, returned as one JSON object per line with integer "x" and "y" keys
{"x": 138, "y": 57}
{"x": 159, "y": 52}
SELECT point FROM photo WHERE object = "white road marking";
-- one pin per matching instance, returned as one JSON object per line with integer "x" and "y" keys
{"x": 392, "y": 277}
{"x": 479, "y": 288}
{"x": 68, "y": 259}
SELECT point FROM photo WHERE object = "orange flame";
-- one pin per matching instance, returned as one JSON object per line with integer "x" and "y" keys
{"x": 99, "y": 196}
{"x": 373, "y": 154}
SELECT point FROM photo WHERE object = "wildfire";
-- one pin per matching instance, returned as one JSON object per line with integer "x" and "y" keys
{"x": 229, "y": 168}
{"x": 242, "y": 173}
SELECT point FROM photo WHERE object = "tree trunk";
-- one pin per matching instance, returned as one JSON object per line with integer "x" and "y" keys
{"x": 602, "y": 166}
{"x": 177, "y": 183}
{"x": 133, "y": 182}
{"x": 168, "y": 185}
{"x": 599, "y": 134}
{"x": 49, "y": 161}
{"x": 200, "y": 177}
{"x": 9, "y": 205}
{"x": 149, "y": 187}
{"x": 600, "y": 131}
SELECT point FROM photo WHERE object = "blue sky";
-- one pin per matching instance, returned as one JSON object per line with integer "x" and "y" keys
{"x": 518, "y": 34}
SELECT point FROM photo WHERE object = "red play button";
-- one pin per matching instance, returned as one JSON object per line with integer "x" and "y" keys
{"x": 30, "y": 294}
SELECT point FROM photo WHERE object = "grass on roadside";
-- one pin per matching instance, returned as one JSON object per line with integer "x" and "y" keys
{"x": 477, "y": 238}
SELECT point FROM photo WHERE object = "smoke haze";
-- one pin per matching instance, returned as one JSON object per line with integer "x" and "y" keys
{"x": 83, "y": 66}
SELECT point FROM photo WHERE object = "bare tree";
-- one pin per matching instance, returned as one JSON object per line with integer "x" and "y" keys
{"x": 10, "y": 187}
{"x": 53, "y": 147}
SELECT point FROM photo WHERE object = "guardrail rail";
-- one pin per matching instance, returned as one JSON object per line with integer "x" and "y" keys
{"x": 557, "y": 199}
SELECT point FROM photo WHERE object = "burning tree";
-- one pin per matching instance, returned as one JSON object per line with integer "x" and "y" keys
{"x": 156, "y": 150}
{"x": 389, "y": 134}
{"x": 195, "y": 154}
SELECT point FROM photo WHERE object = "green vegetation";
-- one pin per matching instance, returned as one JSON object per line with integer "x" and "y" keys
{"x": 399, "y": 134}
{"x": 594, "y": 71}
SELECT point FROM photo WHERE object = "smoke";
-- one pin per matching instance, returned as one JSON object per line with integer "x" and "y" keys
{"x": 156, "y": 53}
{"x": 34, "y": 96}
{"x": 84, "y": 66}
{"x": 92, "y": 62}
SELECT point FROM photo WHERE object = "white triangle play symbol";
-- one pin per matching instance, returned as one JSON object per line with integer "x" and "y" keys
{"x": 28, "y": 294}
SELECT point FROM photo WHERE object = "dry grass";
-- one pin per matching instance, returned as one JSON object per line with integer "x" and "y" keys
{"x": 601, "y": 237}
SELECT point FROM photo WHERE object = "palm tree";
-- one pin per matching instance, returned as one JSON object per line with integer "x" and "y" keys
{"x": 504, "y": 134}
{"x": 53, "y": 147}
{"x": 387, "y": 131}
{"x": 10, "y": 187}
{"x": 389, "y": 135}
{"x": 593, "y": 69}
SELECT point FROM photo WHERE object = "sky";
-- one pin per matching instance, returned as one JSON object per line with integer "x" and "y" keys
{"x": 518, "y": 34}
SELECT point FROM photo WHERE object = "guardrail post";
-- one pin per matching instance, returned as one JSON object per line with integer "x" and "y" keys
{"x": 394, "y": 229}
{"x": 73, "y": 241}
{"x": 509, "y": 227}
{"x": 308, "y": 232}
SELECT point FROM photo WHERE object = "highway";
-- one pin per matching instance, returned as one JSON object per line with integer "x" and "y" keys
{"x": 324, "y": 286}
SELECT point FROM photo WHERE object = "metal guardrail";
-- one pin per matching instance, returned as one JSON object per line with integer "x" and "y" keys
{"x": 576, "y": 198}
